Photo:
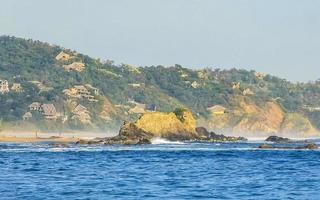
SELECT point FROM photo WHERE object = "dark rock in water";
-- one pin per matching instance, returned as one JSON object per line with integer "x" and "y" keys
{"x": 130, "y": 134}
{"x": 205, "y": 135}
{"x": 311, "y": 146}
{"x": 59, "y": 145}
{"x": 308, "y": 146}
{"x": 277, "y": 139}
{"x": 265, "y": 146}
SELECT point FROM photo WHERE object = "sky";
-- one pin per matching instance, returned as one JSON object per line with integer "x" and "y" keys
{"x": 280, "y": 37}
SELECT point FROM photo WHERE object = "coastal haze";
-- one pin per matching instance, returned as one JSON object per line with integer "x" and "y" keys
{"x": 275, "y": 37}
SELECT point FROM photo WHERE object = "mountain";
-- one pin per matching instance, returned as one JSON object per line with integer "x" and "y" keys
{"x": 51, "y": 88}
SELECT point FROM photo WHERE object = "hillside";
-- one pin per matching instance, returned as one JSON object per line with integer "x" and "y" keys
{"x": 47, "y": 87}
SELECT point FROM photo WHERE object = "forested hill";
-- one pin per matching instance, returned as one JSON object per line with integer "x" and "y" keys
{"x": 51, "y": 88}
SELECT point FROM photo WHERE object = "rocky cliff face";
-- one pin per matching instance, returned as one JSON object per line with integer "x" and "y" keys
{"x": 249, "y": 119}
{"x": 168, "y": 125}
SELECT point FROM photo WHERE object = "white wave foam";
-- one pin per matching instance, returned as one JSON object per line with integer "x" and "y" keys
{"x": 164, "y": 141}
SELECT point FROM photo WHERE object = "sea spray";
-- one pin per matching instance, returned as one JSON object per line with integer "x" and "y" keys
{"x": 158, "y": 140}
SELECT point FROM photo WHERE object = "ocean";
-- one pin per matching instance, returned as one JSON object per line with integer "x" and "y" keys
{"x": 158, "y": 171}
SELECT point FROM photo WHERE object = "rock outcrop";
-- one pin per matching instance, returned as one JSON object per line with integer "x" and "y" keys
{"x": 172, "y": 126}
{"x": 205, "y": 135}
{"x": 277, "y": 139}
{"x": 129, "y": 134}
{"x": 248, "y": 118}
{"x": 177, "y": 126}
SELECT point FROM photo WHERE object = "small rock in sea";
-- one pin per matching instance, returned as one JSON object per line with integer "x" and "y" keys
{"x": 277, "y": 139}
{"x": 311, "y": 146}
{"x": 265, "y": 146}
{"x": 89, "y": 142}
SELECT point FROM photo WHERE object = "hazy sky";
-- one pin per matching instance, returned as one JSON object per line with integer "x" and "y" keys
{"x": 281, "y": 37}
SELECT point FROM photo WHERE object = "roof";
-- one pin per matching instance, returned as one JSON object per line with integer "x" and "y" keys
{"x": 62, "y": 56}
{"x": 35, "y": 104}
{"x": 80, "y": 109}
{"x": 216, "y": 108}
{"x": 80, "y": 87}
{"x": 3, "y": 82}
{"x": 48, "y": 109}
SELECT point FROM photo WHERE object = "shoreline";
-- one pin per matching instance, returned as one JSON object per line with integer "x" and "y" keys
{"x": 64, "y": 137}
{"x": 36, "y": 140}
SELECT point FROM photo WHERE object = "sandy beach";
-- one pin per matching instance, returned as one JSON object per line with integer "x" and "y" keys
{"x": 34, "y": 136}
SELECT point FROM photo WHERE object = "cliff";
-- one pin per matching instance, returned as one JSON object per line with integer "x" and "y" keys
{"x": 249, "y": 119}
{"x": 169, "y": 125}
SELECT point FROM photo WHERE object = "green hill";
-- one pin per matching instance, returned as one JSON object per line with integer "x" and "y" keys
{"x": 88, "y": 94}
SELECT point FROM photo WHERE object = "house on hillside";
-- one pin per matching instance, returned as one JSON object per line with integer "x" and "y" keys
{"x": 4, "y": 86}
{"x": 16, "y": 87}
{"x": 75, "y": 66}
{"x": 247, "y": 92}
{"x": 81, "y": 114}
{"x": 236, "y": 85}
{"x": 217, "y": 110}
{"x": 134, "y": 85}
{"x": 259, "y": 75}
{"x": 35, "y": 106}
{"x": 27, "y": 116}
{"x": 81, "y": 91}
{"x": 62, "y": 56}
{"x": 195, "y": 84}
{"x": 48, "y": 111}
{"x": 202, "y": 74}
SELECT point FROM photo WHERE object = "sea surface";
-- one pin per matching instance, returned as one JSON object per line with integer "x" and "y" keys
{"x": 158, "y": 171}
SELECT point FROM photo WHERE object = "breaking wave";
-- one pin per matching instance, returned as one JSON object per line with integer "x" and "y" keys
{"x": 164, "y": 141}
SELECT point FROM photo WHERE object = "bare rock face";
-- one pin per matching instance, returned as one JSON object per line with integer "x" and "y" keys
{"x": 171, "y": 126}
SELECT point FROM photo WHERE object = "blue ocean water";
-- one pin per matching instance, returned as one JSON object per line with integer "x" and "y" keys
{"x": 158, "y": 171}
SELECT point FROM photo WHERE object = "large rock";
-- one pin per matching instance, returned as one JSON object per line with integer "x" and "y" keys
{"x": 178, "y": 125}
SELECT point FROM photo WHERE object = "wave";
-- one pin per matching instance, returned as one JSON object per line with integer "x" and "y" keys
{"x": 65, "y": 150}
{"x": 164, "y": 141}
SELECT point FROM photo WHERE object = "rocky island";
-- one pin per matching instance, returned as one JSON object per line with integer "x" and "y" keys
{"x": 179, "y": 125}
